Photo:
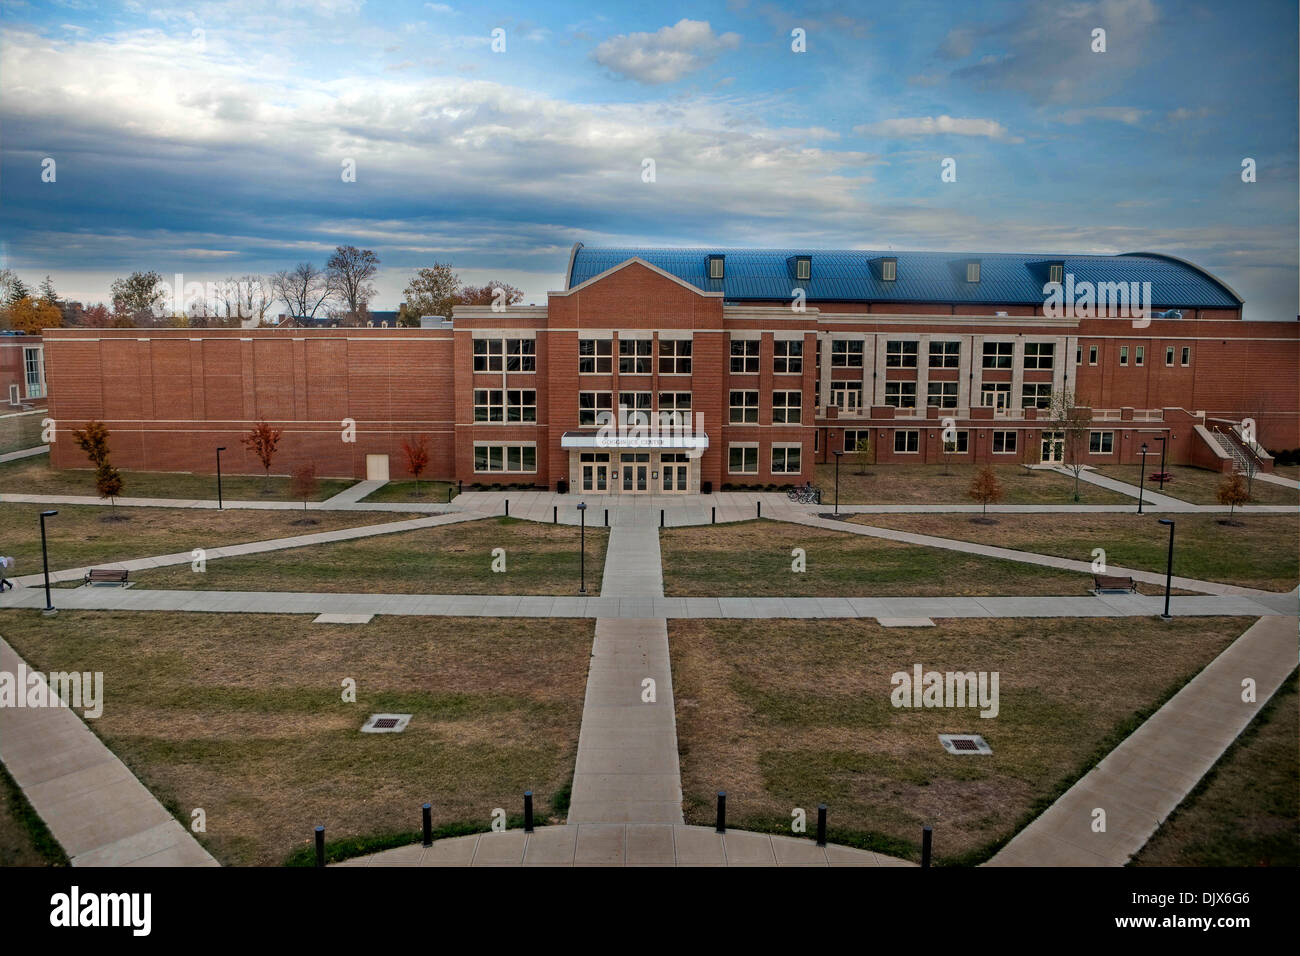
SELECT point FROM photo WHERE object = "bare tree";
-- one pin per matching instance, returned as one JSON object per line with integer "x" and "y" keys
{"x": 1072, "y": 423}
{"x": 303, "y": 289}
{"x": 253, "y": 297}
{"x": 349, "y": 271}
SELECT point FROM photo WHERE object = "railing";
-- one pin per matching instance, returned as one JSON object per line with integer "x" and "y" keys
{"x": 1229, "y": 440}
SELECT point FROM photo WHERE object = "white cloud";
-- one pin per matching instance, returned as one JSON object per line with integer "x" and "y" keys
{"x": 1129, "y": 115}
{"x": 906, "y": 127}
{"x": 666, "y": 55}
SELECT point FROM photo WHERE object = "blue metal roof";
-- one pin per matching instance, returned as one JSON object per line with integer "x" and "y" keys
{"x": 853, "y": 275}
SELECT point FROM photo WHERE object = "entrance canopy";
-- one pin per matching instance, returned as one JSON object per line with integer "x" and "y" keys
{"x": 663, "y": 440}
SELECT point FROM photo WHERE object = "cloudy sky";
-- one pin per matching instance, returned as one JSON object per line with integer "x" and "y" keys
{"x": 209, "y": 138}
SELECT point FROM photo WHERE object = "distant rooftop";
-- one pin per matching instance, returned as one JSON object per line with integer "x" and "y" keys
{"x": 862, "y": 275}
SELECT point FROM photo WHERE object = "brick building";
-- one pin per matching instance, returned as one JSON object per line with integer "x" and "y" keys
{"x": 680, "y": 370}
{"x": 22, "y": 370}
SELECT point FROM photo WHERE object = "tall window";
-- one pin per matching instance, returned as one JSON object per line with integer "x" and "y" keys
{"x": 742, "y": 459}
{"x": 787, "y": 356}
{"x": 785, "y": 459}
{"x": 594, "y": 356}
{"x": 1187, "y": 355}
{"x": 900, "y": 354}
{"x": 1040, "y": 355}
{"x": 847, "y": 396}
{"x": 521, "y": 405}
{"x": 900, "y": 394}
{"x": 941, "y": 394}
{"x": 744, "y": 408}
{"x": 997, "y": 394}
{"x": 1038, "y": 395}
{"x": 1092, "y": 355}
{"x": 32, "y": 366}
{"x": 489, "y": 405}
{"x": 787, "y": 408}
{"x": 1101, "y": 443}
{"x": 635, "y": 407}
{"x": 744, "y": 355}
{"x": 907, "y": 441}
{"x": 1004, "y": 443}
{"x": 1169, "y": 355}
{"x": 595, "y": 408}
{"x": 521, "y": 355}
{"x": 998, "y": 354}
{"x": 846, "y": 353}
{"x": 488, "y": 355}
{"x": 945, "y": 354}
{"x": 674, "y": 357}
{"x": 1123, "y": 355}
{"x": 674, "y": 408}
{"x": 634, "y": 356}
{"x": 1139, "y": 355}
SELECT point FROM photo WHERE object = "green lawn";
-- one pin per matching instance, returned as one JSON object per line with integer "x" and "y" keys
{"x": 927, "y": 484}
{"x": 86, "y": 534}
{"x": 34, "y": 476}
{"x": 753, "y": 558}
{"x": 1246, "y": 812}
{"x": 791, "y": 713}
{"x": 406, "y": 492}
{"x": 24, "y": 838}
{"x": 1260, "y": 553}
{"x": 19, "y": 431}
{"x": 450, "y": 559}
{"x": 1200, "y": 486}
{"x": 243, "y": 716}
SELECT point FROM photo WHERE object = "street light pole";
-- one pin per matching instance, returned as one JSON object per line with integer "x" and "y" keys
{"x": 45, "y": 559}
{"x": 1142, "y": 476}
{"x": 839, "y": 453}
{"x": 582, "y": 559}
{"x": 1169, "y": 568}
{"x": 219, "y": 451}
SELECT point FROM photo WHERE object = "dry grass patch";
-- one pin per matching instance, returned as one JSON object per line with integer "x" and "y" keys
{"x": 242, "y": 715}
{"x": 1200, "y": 486}
{"x": 785, "y": 714}
{"x": 21, "y": 431}
{"x": 753, "y": 558}
{"x": 79, "y": 535}
{"x": 1259, "y": 552}
{"x": 447, "y": 559}
{"x": 928, "y": 485}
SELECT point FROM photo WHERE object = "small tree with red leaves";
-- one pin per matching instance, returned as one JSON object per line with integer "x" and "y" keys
{"x": 417, "y": 459}
{"x": 263, "y": 440}
{"x": 305, "y": 484}
{"x": 986, "y": 488}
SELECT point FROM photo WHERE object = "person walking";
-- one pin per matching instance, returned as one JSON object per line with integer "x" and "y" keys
{"x": 5, "y": 564}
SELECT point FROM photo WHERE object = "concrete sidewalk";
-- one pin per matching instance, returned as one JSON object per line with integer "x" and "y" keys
{"x": 633, "y": 844}
{"x": 355, "y": 493}
{"x": 1278, "y": 480}
{"x": 1144, "y": 779}
{"x": 229, "y": 504}
{"x": 25, "y": 453}
{"x": 1149, "y": 497}
{"x": 94, "y": 806}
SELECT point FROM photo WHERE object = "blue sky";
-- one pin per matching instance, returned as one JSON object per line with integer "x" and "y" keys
{"x": 208, "y": 138}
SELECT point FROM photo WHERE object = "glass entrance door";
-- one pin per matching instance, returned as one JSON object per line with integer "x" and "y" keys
{"x": 1053, "y": 447}
{"x": 674, "y": 472}
{"x": 636, "y": 472}
{"x": 595, "y": 477}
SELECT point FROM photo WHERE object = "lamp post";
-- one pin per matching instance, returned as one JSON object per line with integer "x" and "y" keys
{"x": 1163, "y": 439}
{"x": 219, "y": 451}
{"x": 582, "y": 559}
{"x": 1142, "y": 476}
{"x": 839, "y": 453}
{"x": 1169, "y": 568}
{"x": 45, "y": 558}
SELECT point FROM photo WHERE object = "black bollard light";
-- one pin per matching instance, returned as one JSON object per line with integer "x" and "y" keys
{"x": 582, "y": 554}
{"x": 1169, "y": 568}
{"x": 528, "y": 811}
{"x": 713, "y": 516}
{"x": 661, "y": 517}
{"x": 722, "y": 811}
{"x": 427, "y": 812}
{"x": 1142, "y": 477}
{"x": 320, "y": 846}
{"x": 555, "y": 514}
{"x": 507, "y": 507}
{"x": 45, "y": 559}
{"x": 758, "y": 508}
{"x": 821, "y": 824}
{"x": 926, "y": 834}
{"x": 219, "y": 502}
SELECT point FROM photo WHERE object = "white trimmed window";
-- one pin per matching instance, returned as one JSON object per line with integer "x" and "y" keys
{"x": 744, "y": 356}
{"x": 1101, "y": 443}
{"x": 1092, "y": 355}
{"x": 785, "y": 459}
{"x": 521, "y": 405}
{"x": 635, "y": 407}
{"x": 787, "y": 357}
{"x": 521, "y": 355}
{"x": 595, "y": 356}
{"x": 787, "y": 408}
{"x": 959, "y": 444}
{"x": 744, "y": 407}
{"x": 674, "y": 357}
{"x": 1040, "y": 355}
{"x": 674, "y": 408}
{"x": 1139, "y": 355}
{"x": 907, "y": 441}
{"x": 853, "y": 436}
{"x": 941, "y": 394}
{"x": 505, "y": 458}
{"x": 900, "y": 354}
{"x": 489, "y": 355}
{"x": 1187, "y": 355}
{"x": 489, "y": 405}
{"x": 1037, "y": 395}
{"x": 900, "y": 394}
{"x": 997, "y": 394}
{"x": 973, "y": 270}
{"x": 1123, "y": 355}
{"x": 634, "y": 356}
{"x": 1004, "y": 443}
{"x": 998, "y": 354}
{"x": 846, "y": 353}
{"x": 945, "y": 354}
{"x": 595, "y": 408}
{"x": 1169, "y": 355}
{"x": 846, "y": 396}
{"x": 742, "y": 459}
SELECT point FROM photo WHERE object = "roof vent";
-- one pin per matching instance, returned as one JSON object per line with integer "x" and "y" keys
{"x": 717, "y": 267}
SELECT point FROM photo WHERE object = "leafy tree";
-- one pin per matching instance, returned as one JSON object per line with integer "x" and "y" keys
{"x": 304, "y": 484}
{"x": 862, "y": 451}
{"x": 263, "y": 440}
{"x": 417, "y": 458}
{"x": 93, "y": 440}
{"x": 31, "y": 316}
{"x": 137, "y": 293}
{"x": 97, "y": 317}
{"x": 108, "y": 482}
{"x": 986, "y": 488}
{"x": 349, "y": 272}
{"x": 431, "y": 291}
{"x": 487, "y": 294}
{"x": 1233, "y": 491}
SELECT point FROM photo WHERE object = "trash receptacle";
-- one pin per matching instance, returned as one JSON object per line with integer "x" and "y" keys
{"x": 706, "y": 487}
{"x": 562, "y": 486}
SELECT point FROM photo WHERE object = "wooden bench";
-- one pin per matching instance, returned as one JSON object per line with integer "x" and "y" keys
{"x": 1112, "y": 584}
{"x": 106, "y": 576}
